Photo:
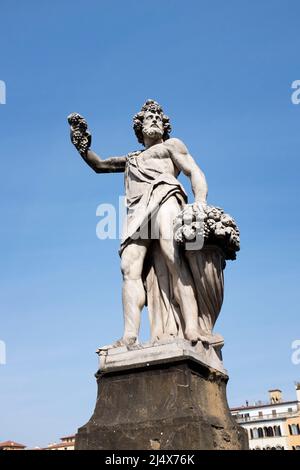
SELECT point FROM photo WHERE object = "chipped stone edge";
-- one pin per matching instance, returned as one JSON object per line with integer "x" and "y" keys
{"x": 147, "y": 354}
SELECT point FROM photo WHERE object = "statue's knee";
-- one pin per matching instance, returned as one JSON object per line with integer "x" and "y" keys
{"x": 125, "y": 268}
{"x": 130, "y": 269}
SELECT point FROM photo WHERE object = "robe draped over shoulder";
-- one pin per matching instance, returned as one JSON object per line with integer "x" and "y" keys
{"x": 146, "y": 190}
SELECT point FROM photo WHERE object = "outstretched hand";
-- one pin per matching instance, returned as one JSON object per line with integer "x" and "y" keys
{"x": 81, "y": 138}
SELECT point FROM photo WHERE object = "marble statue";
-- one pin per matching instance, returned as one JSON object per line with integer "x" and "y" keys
{"x": 180, "y": 282}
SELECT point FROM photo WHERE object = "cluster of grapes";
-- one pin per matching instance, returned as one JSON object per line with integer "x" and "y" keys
{"x": 209, "y": 227}
{"x": 80, "y": 136}
{"x": 189, "y": 225}
{"x": 212, "y": 224}
{"x": 213, "y": 220}
{"x": 221, "y": 229}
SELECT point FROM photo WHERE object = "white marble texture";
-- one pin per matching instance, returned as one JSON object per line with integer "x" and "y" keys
{"x": 112, "y": 358}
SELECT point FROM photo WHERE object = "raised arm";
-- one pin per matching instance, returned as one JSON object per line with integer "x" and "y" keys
{"x": 109, "y": 165}
{"x": 185, "y": 163}
{"x": 81, "y": 139}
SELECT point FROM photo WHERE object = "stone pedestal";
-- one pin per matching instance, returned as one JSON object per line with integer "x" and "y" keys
{"x": 170, "y": 397}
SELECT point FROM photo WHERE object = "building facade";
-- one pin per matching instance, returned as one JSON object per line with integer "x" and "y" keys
{"x": 67, "y": 443}
{"x": 293, "y": 429}
{"x": 274, "y": 425}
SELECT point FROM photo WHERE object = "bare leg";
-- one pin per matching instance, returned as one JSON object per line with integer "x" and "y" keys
{"x": 133, "y": 293}
{"x": 181, "y": 276}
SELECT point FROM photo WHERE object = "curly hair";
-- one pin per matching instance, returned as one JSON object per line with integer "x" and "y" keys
{"x": 138, "y": 119}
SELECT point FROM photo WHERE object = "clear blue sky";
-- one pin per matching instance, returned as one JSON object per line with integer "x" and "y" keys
{"x": 223, "y": 72}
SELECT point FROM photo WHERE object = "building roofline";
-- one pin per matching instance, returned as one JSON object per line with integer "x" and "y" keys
{"x": 260, "y": 422}
{"x": 11, "y": 444}
{"x": 58, "y": 446}
{"x": 271, "y": 405}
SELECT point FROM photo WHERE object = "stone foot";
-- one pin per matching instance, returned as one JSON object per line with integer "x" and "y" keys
{"x": 128, "y": 341}
{"x": 194, "y": 335}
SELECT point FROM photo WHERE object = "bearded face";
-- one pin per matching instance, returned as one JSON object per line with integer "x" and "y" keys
{"x": 153, "y": 125}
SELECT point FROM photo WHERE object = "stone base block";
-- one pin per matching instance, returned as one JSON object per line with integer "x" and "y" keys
{"x": 174, "y": 404}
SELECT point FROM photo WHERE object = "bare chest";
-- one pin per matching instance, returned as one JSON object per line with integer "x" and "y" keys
{"x": 158, "y": 157}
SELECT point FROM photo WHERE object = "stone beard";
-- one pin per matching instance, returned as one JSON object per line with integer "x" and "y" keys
{"x": 153, "y": 133}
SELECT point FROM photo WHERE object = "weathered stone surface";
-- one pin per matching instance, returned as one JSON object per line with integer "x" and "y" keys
{"x": 175, "y": 405}
{"x": 147, "y": 354}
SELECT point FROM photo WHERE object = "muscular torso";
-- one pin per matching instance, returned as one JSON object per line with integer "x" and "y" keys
{"x": 158, "y": 157}
{"x": 143, "y": 169}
